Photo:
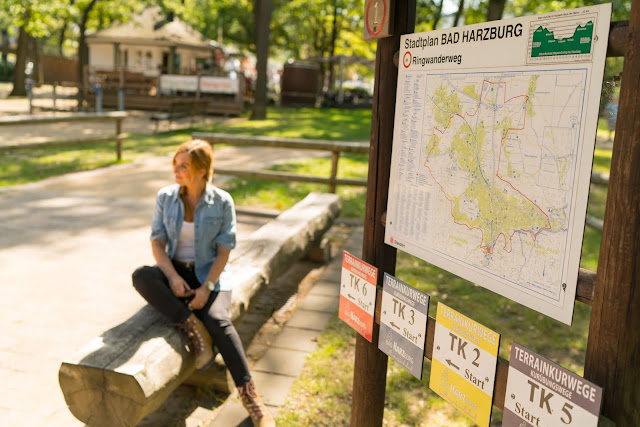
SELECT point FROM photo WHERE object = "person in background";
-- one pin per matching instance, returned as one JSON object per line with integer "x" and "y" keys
{"x": 611, "y": 114}
{"x": 193, "y": 231}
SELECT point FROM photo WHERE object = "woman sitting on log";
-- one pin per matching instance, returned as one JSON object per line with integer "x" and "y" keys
{"x": 192, "y": 233}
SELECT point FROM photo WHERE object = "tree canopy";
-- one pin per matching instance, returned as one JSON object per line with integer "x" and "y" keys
{"x": 299, "y": 29}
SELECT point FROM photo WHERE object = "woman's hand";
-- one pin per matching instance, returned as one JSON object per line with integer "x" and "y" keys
{"x": 179, "y": 286}
{"x": 200, "y": 299}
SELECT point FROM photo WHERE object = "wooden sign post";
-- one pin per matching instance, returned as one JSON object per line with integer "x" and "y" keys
{"x": 613, "y": 348}
{"x": 370, "y": 371}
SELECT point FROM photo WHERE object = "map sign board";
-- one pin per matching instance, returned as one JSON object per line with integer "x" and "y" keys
{"x": 492, "y": 150}
{"x": 542, "y": 393}
{"x": 404, "y": 312}
{"x": 463, "y": 366}
{"x": 358, "y": 294}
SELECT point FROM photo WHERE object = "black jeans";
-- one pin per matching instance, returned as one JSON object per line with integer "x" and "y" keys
{"x": 153, "y": 285}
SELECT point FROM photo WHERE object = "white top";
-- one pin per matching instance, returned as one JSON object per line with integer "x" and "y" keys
{"x": 186, "y": 249}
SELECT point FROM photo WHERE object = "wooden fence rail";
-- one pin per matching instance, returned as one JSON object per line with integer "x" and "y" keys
{"x": 335, "y": 147}
{"x": 29, "y": 120}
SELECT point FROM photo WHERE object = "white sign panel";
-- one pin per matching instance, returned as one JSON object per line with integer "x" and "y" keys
{"x": 171, "y": 83}
{"x": 542, "y": 393}
{"x": 492, "y": 151}
{"x": 358, "y": 294}
{"x": 404, "y": 312}
{"x": 219, "y": 85}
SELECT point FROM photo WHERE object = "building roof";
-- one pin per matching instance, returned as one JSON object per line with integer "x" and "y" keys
{"x": 151, "y": 28}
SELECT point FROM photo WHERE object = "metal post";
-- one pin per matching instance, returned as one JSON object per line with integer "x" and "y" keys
{"x": 121, "y": 99}
{"x": 54, "y": 97}
{"x": 370, "y": 370}
{"x": 29, "y": 85}
{"x": 98, "y": 89}
{"x": 121, "y": 91}
{"x": 341, "y": 87}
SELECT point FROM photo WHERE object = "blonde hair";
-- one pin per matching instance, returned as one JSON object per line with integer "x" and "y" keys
{"x": 201, "y": 155}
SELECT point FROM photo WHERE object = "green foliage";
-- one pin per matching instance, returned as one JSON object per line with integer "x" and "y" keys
{"x": 620, "y": 8}
{"x": 38, "y": 17}
{"x": 327, "y": 123}
{"x": 304, "y": 29}
{"x": 235, "y": 17}
{"x": 107, "y": 12}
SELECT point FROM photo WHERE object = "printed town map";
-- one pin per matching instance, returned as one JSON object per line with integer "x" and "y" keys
{"x": 491, "y": 164}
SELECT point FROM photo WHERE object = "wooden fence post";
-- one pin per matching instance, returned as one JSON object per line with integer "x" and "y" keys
{"x": 613, "y": 349}
{"x": 119, "y": 138}
{"x": 335, "y": 156}
{"x": 370, "y": 370}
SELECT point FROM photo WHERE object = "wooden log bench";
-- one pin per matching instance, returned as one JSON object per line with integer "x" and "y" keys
{"x": 181, "y": 108}
{"x": 127, "y": 372}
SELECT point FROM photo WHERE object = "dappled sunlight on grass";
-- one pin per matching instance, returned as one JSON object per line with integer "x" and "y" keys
{"x": 28, "y": 165}
{"x": 328, "y": 124}
{"x": 24, "y": 166}
{"x": 602, "y": 160}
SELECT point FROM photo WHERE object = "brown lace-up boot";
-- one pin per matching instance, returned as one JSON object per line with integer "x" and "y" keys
{"x": 202, "y": 344}
{"x": 260, "y": 416}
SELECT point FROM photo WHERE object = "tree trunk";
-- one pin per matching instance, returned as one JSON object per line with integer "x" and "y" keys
{"x": 496, "y": 8}
{"x": 332, "y": 48}
{"x": 21, "y": 61}
{"x": 458, "y": 15}
{"x": 37, "y": 76}
{"x": 63, "y": 32}
{"x": 4, "y": 34}
{"x": 436, "y": 18}
{"x": 262, "y": 12}
{"x": 83, "y": 53}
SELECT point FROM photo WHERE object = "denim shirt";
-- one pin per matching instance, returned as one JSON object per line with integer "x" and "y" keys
{"x": 215, "y": 226}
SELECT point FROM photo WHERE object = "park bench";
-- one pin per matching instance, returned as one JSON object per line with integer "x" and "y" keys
{"x": 181, "y": 108}
{"x": 127, "y": 372}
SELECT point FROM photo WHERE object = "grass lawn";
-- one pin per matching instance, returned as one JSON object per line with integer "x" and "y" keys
{"x": 29, "y": 165}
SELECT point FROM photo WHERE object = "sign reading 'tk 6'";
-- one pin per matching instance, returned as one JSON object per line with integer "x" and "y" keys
{"x": 358, "y": 294}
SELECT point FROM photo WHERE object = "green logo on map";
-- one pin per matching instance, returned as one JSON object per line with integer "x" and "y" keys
{"x": 546, "y": 44}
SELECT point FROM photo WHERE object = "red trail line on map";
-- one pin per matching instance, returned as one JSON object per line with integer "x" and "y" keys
{"x": 506, "y": 240}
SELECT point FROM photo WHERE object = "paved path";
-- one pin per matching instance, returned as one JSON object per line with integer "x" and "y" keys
{"x": 277, "y": 368}
{"x": 67, "y": 250}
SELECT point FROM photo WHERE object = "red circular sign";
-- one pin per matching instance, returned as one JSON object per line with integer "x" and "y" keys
{"x": 377, "y": 27}
{"x": 406, "y": 59}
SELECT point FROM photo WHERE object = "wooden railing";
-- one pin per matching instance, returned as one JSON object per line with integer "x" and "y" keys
{"x": 335, "y": 147}
{"x": 30, "y": 120}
